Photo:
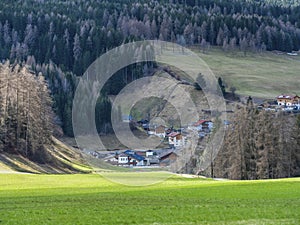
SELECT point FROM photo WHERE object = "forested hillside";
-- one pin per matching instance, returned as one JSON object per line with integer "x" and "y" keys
{"x": 73, "y": 33}
{"x": 260, "y": 145}
{"x": 26, "y": 116}
{"x": 61, "y": 38}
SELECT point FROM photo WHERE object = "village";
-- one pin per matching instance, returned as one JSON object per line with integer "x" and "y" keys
{"x": 284, "y": 102}
{"x": 176, "y": 139}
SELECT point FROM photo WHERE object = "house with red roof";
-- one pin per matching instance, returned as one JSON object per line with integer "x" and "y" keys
{"x": 202, "y": 125}
{"x": 176, "y": 139}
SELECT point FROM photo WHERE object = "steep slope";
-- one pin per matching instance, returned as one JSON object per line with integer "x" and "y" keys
{"x": 171, "y": 108}
{"x": 59, "y": 158}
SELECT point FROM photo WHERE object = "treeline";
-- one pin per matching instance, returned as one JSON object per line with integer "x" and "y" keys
{"x": 62, "y": 38}
{"x": 74, "y": 33}
{"x": 259, "y": 145}
{"x": 26, "y": 116}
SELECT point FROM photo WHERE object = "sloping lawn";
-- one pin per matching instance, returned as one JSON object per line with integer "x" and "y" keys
{"x": 91, "y": 199}
{"x": 264, "y": 75}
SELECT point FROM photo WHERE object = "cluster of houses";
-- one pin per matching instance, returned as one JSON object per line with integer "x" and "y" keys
{"x": 132, "y": 158}
{"x": 288, "y": 101}
{"x": 177, "y": 137}
{"x": 159, "y": 157}
{"x": 283, "y": 102}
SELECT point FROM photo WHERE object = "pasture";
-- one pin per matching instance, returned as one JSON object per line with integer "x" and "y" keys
{"x": 91, "y": 199}
{"x": 264, "y": 75}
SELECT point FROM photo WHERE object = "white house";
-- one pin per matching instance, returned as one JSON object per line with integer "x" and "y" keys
{"x": 123, "y": 158}
{"x": 288, "y": 100}
{"x": 131, "y": 158}
{"x": 160, "y": 131}
{"x": 149, "y": 153}
{"x": 176, "y": 139}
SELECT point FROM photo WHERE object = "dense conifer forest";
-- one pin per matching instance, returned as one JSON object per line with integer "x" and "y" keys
{"x": 62, "y": 38}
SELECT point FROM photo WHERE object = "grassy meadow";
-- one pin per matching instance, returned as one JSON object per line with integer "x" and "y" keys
{"x": 91, "y": 199}
{"x": 264, "y": 75}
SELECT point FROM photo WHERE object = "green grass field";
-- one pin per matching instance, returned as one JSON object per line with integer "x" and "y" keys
{"x": 91, "y": 199}
{"x": 263, "y": 75}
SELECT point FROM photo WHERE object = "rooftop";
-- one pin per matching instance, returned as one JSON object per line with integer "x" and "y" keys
{"x": 200, "y": 122}
{"x": 287, "y": 96}
{"x": 173, "y": 134}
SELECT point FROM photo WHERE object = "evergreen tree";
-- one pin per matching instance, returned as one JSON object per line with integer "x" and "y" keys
{"x": 221, "y": 85}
